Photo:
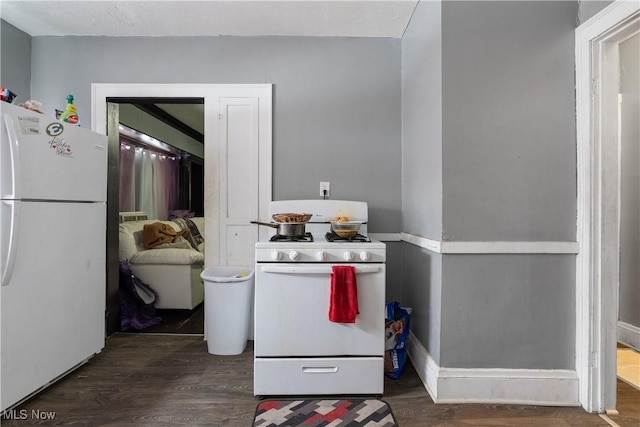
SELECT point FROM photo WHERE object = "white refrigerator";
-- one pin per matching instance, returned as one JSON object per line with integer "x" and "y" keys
{"x": 53, "y": 187}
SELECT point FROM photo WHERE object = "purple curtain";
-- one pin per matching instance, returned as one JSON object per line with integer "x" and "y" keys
{"x": 172, "y": 183}
{"x": 157, "y": 182}
{"x": 165, "y": 184}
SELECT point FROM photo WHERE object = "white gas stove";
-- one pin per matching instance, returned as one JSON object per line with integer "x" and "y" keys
{"x": 298, "y": 350}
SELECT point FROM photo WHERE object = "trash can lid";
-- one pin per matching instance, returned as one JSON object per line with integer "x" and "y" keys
{"x": 240, "y": 276}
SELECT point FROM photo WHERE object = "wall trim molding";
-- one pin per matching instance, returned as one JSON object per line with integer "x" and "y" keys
{"x": 549, "y": 387}
{"x": 629, "y": 334}
{"x": 479, "y": 247}
{"x": 385, "y": 237}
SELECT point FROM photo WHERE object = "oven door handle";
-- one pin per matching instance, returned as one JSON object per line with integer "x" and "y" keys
{"x": 321, "y": 269}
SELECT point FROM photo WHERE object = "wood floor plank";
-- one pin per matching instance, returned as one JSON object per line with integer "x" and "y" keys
{"x": 628, "y": 405}
{"x": 171, "y": 380}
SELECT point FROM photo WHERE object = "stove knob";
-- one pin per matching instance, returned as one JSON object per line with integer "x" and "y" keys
{"x": 276, "y": 255}
{"x": 348, "y": 256}
{"x": 294, "y": 255}
{"x": 365, "y": 256}
{"x": 321, "y": 256}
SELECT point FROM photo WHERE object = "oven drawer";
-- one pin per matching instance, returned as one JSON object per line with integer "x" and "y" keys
{"x": 307, "y": 376}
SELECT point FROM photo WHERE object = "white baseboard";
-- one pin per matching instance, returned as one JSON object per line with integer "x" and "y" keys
{"x": 424, "y": 365}
{"x": 629, "y": 335}
{"x": 548, "y": 387}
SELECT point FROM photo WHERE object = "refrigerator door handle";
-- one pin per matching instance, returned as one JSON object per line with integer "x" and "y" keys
{"x": 11, "y": 242}
{"x": 14, "y": 152}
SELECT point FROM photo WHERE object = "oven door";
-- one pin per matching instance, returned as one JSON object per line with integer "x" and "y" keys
{"x": 292, "y": 312}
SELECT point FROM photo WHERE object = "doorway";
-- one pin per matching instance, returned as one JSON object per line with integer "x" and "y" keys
{"x": 628, "y": 328}
{"x": 598, "y": 223}
{"x": 228, "y": 235}
{"x": 161, "y": 178}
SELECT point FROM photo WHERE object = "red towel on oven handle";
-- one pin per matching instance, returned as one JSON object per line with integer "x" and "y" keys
{"x": 343, "y": 300}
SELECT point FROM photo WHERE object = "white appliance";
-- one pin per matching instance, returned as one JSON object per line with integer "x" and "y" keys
{"x": 298, "y": 350}
{"x": 53, "y": 180}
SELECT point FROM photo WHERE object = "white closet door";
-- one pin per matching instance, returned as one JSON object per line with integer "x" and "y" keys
{"x": 239, "y": 167}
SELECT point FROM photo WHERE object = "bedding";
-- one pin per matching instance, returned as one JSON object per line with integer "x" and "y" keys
{"x": 194, "y": 236}
{"x": 158, "y": 234}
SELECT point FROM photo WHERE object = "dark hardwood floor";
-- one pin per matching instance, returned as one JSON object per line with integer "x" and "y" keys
{"x": 171, "y": 380}
{"x": 179, "y": 322}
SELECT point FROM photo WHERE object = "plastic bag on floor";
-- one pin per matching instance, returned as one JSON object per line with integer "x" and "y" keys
{"x": 396, "y": 338}
{"x": 137, "y": 301}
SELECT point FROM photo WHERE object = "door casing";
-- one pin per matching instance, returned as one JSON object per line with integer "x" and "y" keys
{"x": 598, "y": 219}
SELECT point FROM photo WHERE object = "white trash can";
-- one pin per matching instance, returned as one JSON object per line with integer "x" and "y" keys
{"x": 228, "y": 294}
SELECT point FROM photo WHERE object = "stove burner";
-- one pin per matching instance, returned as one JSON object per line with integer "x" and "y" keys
{"x": 333, "y": 237}
{"x": 307, "y": 237}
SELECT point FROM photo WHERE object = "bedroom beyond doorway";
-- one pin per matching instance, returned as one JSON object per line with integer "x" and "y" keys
{"x": 238, "y": 131}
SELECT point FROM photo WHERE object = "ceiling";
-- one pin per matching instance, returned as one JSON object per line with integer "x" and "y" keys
{"x": 191, "y": 115}
{"x": 184, "y": 114}
{"x": 338, "y": 18}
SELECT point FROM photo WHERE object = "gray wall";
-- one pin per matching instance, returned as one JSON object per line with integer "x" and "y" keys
{"x": 422, "y": 278}
{"x": 422, "y": 122}
{"x": 591, "y": 7}
{"x": 630, "y": 183}
{"x": 422, "y": 171}
{"x": 336, "y": 100}
{"x": 15, "y": 60}
{"x": 508, "y": 311}
{"x": 394, "y": 275}
{"x": 507, "y": 112}
{"x": 509, "y": 153}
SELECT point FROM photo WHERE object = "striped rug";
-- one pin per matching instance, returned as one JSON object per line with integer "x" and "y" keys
{"x": 324, "y": 413}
